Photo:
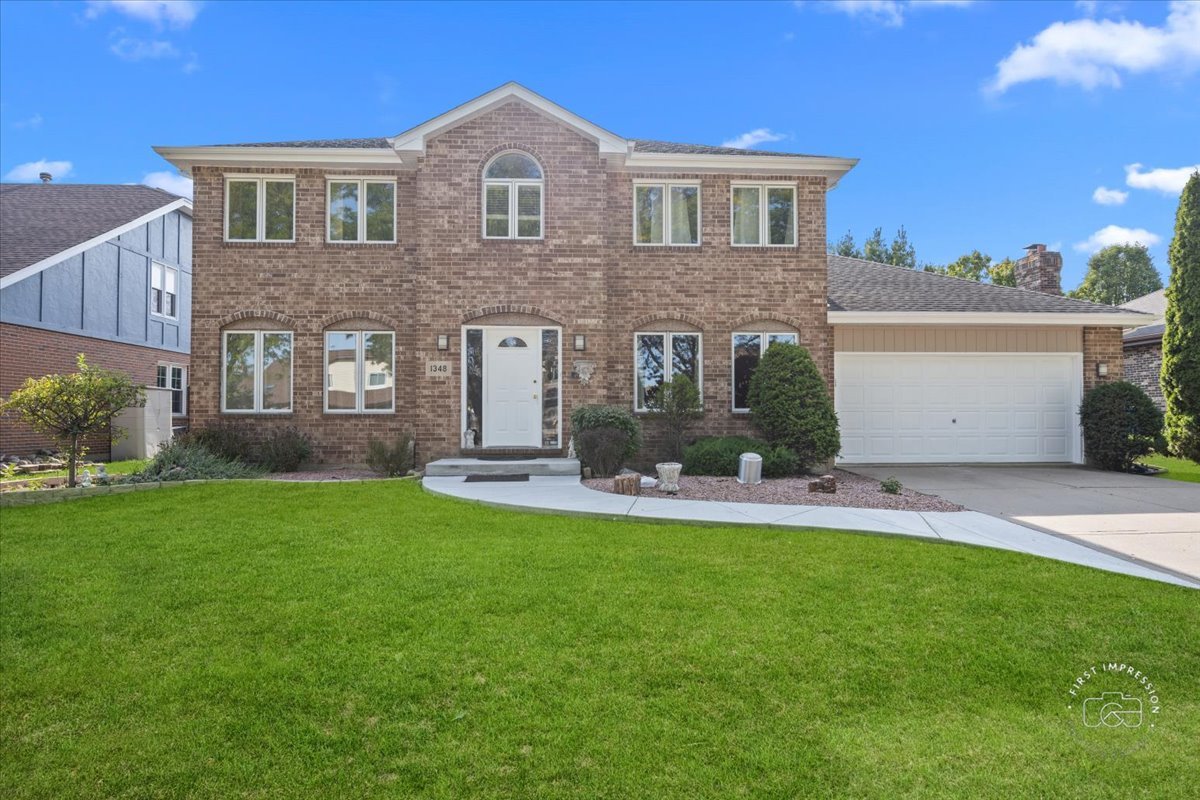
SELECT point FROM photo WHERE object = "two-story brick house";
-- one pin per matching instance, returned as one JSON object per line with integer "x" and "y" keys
{"x": 475, "y": 278}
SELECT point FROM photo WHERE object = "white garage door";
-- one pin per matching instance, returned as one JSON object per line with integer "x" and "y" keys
{"x": 970, "y": 407}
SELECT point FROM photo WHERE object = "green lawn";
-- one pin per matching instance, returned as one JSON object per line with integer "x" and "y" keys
{"x": 1178, "y": 469}
{"x": 360, "y": 640}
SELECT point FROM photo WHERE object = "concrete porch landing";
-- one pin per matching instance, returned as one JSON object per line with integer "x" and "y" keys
{"x": 462, "y": 467}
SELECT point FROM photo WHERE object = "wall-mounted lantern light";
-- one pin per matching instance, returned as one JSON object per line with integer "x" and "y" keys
{"x": 443, "y": 341}
{"x": 580, "y": 342}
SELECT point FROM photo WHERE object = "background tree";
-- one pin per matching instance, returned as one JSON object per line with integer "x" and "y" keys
{"x": 1118, "y": 274}
{"x": 1180, "y": 375}
{"x": 1003, "y": 273}
{"x": 972, "y": 266}
{"x": 845, "y": 246}
{"x": 874, "y": 248}
{"x": 901, "y": 253}
{"x": 69, "y": 408}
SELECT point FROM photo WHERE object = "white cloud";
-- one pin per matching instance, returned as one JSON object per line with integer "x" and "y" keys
{"x": 171, "y": 182}
{"x": 133, "y": 49}
{"x": 33, "y": 122}
{"x": 1167, "y": 181}
{"x": 889, "y": 13}
{"x": 29, "y": 171}
{"x": 1093, "y": 53}
{"x": 1109, "y": 197}
{"x": 751, "y": 139}
{"x": 1115, "y": 234}
{"x": 160, "y": 13}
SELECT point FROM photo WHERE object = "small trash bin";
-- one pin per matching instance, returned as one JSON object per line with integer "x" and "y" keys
{"x": 750, "y": 468}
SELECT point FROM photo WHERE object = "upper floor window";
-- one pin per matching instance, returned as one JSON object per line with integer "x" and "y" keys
{"x": 763, "y": 214}
{"x": 256, "y": 373}
{"x": 512, "y": 197}
{"x": 666, "y": 213}
{"x": 260, "y": 209}
{"x": 361, "y": 210}
{"x": 360, "y": 371}
{"x": 164, "y": 290}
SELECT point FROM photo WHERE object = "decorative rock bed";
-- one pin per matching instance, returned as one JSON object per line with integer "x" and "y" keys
{"x": 853, "y": 491}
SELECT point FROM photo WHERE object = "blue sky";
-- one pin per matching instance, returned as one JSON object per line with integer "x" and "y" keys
{"x": 984, "y": 125}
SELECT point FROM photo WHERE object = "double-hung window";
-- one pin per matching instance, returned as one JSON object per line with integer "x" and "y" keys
{"x": 174, "y": 377}
{"x": 512, "y": 197}
{"x": 666, "y": 214}
{"x": 361, "y": 210}
{"x": 748, "y": 349}
{"x": 256, "y": 375}
{"x": 659, "y": 357}
{"x": 763, "y": 214}
{"x": 260, "y": 209}
{"x": 164, "y": 290}
{"x": 360, "y": 375}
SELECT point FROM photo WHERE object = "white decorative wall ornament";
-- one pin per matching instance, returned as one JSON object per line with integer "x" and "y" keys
{"x": 584, "y": 371}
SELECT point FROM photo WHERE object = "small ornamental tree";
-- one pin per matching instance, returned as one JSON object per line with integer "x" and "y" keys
{"x": 790, "y": 405}
{"x": 68, "y": 408}
{"x": 1120, "y": 425}
{"x": 1180, "y": 375}
{"x": 676, "y": 405}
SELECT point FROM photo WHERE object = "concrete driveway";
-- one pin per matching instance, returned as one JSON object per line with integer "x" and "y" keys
{"x": 1152, "y": 520}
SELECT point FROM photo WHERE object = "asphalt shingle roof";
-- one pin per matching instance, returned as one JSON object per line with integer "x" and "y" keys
{"x": 366, "y": 143}
{"x": 655, "y": 146}
{"x": 40, "y": 220}
{"x": 1146, "y": 333}
{"x": 857, "y": 285}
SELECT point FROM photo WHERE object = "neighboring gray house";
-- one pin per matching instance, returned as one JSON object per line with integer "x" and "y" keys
{"x": 96, "y": 269}
{"x": 1143, "y": 345}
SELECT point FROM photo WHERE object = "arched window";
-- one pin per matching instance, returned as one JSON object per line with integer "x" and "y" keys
{"x": 512, "y": 197}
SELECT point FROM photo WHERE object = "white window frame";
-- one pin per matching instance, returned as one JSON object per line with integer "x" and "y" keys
{"x": 362, "y": 181}
{"x": 158, "y": 265}
{"x": 260, "y": 226}
{"x": 360, "y": 373}
{"x": 764, "y": 342}
{"x": 258, "y": 372}
{"x": 183, "y": 377}
{"x": 763, "y": 220}
{"x": 668, "y": 362}
{"x": 513, "y": 184}
{"x": 666, "y": 187}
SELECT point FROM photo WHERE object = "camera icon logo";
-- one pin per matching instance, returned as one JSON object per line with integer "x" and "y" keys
{"x": 1112, "y": 710}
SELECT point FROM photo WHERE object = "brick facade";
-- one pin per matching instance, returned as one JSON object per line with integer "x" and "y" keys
{"x": 1143, "y": 366}
{"x": 585, "y": 276}
{"x": 27, "y": 352}
{"x": 1102, "y": 346}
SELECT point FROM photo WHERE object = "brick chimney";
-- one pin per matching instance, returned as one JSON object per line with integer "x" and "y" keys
{"x": 1040, "y": 270}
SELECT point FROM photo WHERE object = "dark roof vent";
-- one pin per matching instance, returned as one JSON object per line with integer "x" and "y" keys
{"x": 46, "y": 177}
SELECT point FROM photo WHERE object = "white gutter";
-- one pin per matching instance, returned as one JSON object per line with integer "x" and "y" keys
{"x": 184, "y": 158}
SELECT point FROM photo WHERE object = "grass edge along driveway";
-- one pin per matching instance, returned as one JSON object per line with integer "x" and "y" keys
{"x": 370, "y": 640}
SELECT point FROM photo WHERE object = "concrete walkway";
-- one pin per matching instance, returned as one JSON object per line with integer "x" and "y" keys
{"x": 567, "y": 495}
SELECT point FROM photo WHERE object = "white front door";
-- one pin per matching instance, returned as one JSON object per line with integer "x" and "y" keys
{"x": 512, "y": 387}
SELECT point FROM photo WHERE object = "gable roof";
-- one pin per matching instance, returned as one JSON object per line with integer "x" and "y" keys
{"x": 886, "y": 293}
{"x": 44, "y": 223}
{"x": 1153, "y": 303}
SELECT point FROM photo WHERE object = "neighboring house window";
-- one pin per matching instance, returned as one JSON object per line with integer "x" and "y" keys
{"x": 512, "y": 197}
{"x": 260, "y": 209}
{"x": 747, "y": 350}
{"x": 257, "y": 372}
{"x": 763, "y": 214}
{"x": 666, "y": 213}
{"x": 174, "y": 377}
{"x": 164, "y": 290}
{"x": 360, "y": 372}
{"x": 361, "y": 210}
{"x": 660, "y": 357}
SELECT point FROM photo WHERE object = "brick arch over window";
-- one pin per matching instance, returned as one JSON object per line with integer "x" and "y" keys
{"x": 513, "y": 308}
{"x": 655, "y": 321}
{"x": 511, "y": 147}
{"x": 257, "y": 313}
{"x": 757, "y": 321}
{"x": 374, "y": 316}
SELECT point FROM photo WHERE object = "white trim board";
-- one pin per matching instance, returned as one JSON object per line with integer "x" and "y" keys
{"x": 74, "y": 250}
{"x": 1122, "y": 319}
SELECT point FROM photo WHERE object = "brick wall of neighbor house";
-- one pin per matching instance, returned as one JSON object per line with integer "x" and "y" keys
{"x": 585, "y": 276}
{"x": 54, "y": 352}
{"x": 1143, "y": 364}
{"x": 1101, "y": 345}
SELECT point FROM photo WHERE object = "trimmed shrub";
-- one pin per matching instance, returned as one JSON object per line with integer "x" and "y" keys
{"x": 283, "y": 450}
{"x": 1120, "y": 425}
{"x": 189, "y": 461}
{"x": 718, "y": 455}
{"x": 226, "y": 438}
{"x": 676, "y": 405}
{"x": 393, "y": 459}
{"x": 790, "y": 405}
{"x": 605, "y": 437}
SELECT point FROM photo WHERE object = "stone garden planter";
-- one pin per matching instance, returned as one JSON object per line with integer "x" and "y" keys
{"x": 668, "y": 476}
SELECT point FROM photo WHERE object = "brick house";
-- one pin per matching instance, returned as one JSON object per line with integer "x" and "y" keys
{"x": 101, "y": 270}
{"x": 1143, "y": 345}
{"x": 473, "y": 279}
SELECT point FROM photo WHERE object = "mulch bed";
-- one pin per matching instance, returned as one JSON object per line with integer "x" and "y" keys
{"x": 854, "y": 491}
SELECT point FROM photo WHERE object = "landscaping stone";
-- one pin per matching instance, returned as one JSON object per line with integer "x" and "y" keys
{"x": 825, "y": 483}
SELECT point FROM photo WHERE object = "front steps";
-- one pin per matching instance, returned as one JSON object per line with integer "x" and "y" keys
{"x": 461, "y": 467}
